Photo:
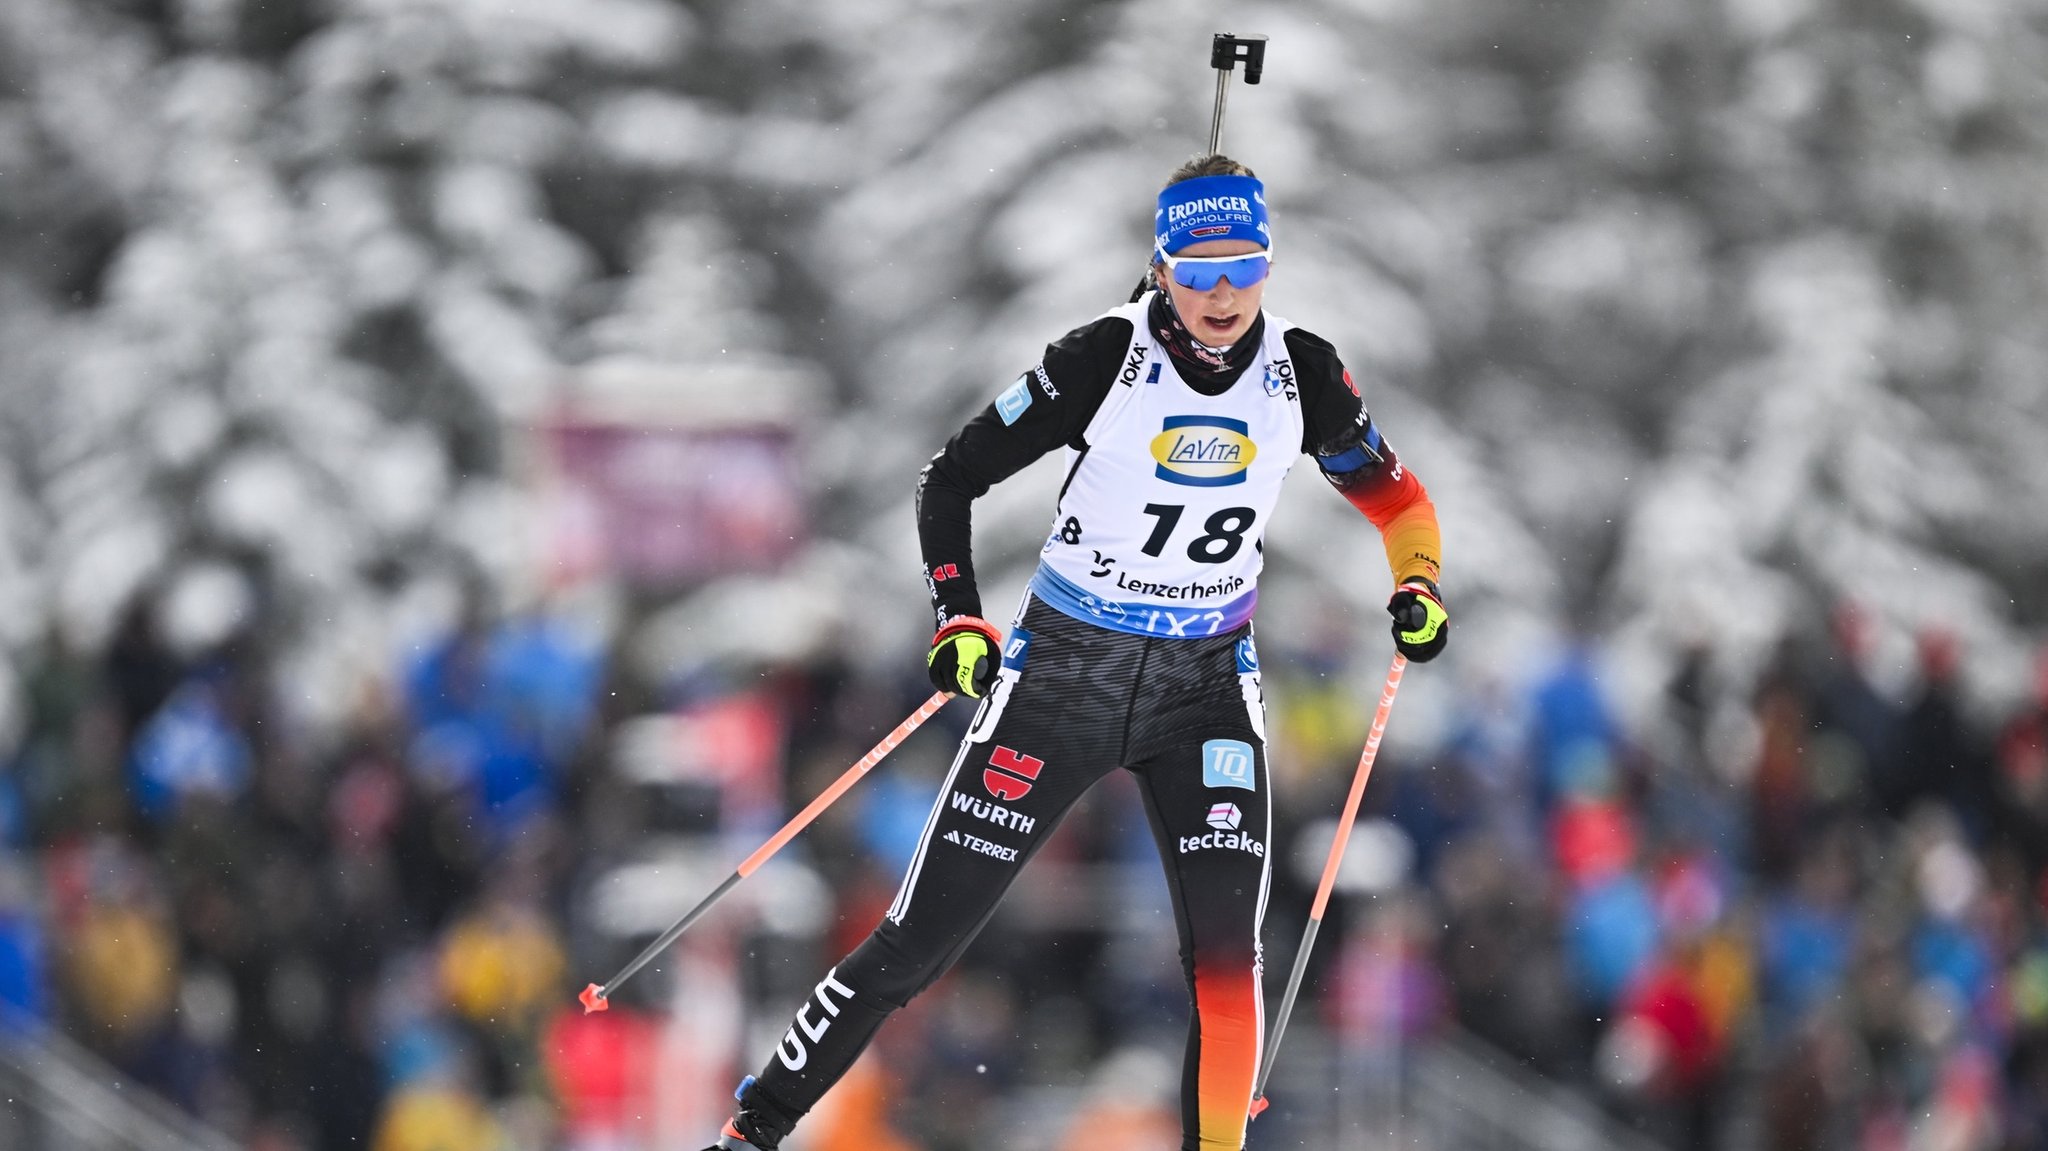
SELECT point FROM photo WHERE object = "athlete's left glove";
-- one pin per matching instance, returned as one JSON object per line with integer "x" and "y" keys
{"x": 1421, "y": 625}
{"x": 965, "y": 655}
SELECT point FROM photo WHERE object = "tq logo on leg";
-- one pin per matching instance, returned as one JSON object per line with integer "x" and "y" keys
{"x": 1228, "y": 763}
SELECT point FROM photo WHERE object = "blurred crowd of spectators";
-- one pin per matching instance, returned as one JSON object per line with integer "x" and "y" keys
{"x": 1826, "y": 928}
{"x": 339, "y": 942}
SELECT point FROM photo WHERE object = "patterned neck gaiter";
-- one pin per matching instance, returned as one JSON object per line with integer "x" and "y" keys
{"x": 1208, "y": 370}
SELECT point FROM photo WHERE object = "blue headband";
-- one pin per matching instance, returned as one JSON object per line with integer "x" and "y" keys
{"x": 1211, "y": 208}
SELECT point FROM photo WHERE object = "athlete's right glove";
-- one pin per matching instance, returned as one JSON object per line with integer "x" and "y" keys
{"x": 1421, "y": 625}
{"x": 965, "y": 655}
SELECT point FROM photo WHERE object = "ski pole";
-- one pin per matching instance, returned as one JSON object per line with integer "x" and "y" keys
{"x": 1225, "y": 50}
{"x": 596, "y": 997}
{"x": 1315, "y": 915}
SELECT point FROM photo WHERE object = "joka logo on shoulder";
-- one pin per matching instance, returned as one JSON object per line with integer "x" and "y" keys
{"x": 1010, "y": 773}
{"x": 1203, "y": 451}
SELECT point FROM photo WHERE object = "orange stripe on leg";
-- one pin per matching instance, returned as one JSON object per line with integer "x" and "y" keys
{"x": 1227, "y": 1005}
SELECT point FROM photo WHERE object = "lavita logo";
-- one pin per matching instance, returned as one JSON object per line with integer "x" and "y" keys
{"x": 792, "y": 1050}
{"x": 1203, "y": 451}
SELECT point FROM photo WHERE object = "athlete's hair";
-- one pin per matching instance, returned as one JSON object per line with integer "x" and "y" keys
{"x": 1210, "y": 164}
{"x": 1207, "y": 164}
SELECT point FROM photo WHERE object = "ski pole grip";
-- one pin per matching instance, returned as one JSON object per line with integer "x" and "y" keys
{"x": 1226, "y": 50}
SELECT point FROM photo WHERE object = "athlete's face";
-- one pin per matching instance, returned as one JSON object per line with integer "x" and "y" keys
{"x": 1224, "y": 313}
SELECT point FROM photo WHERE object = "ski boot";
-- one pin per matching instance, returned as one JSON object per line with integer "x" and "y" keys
{"x": 753, "y": 1127}
{"x": 730, "y": 1139}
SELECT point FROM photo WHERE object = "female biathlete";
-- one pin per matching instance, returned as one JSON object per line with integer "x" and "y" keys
{"x": 1181, "y": 413}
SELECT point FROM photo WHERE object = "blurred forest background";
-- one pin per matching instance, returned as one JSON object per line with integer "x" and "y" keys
{"x": 360, "y": 698}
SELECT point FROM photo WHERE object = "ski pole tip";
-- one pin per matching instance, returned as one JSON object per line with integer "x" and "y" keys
{"x": 593, "y": 999}
{"x": 1259, "y": 1104}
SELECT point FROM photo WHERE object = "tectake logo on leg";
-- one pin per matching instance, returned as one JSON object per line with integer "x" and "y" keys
{"x": 1225, "y": 818}
{"x": 1010, "y": 773}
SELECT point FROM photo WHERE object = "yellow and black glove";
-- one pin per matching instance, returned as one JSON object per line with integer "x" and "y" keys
{"x": 1421, "y": 625}
{"x": 965, "y": 655}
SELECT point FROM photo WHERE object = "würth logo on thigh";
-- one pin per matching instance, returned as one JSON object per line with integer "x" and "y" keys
{"x": 792, "y": 1051}
{"x": 1010, "y": 773}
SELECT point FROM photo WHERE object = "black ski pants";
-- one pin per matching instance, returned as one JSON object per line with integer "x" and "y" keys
{"x": 1074, "y": 702}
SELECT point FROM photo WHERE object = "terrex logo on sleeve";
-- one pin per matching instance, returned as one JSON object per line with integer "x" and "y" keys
{"x": 1203, "y": 451}
{"x": 1010, "y": 773}
{"x": 1045, "y": 381}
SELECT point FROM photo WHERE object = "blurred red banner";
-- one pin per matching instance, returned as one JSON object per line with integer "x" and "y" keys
{"x": 669, "y": 505}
